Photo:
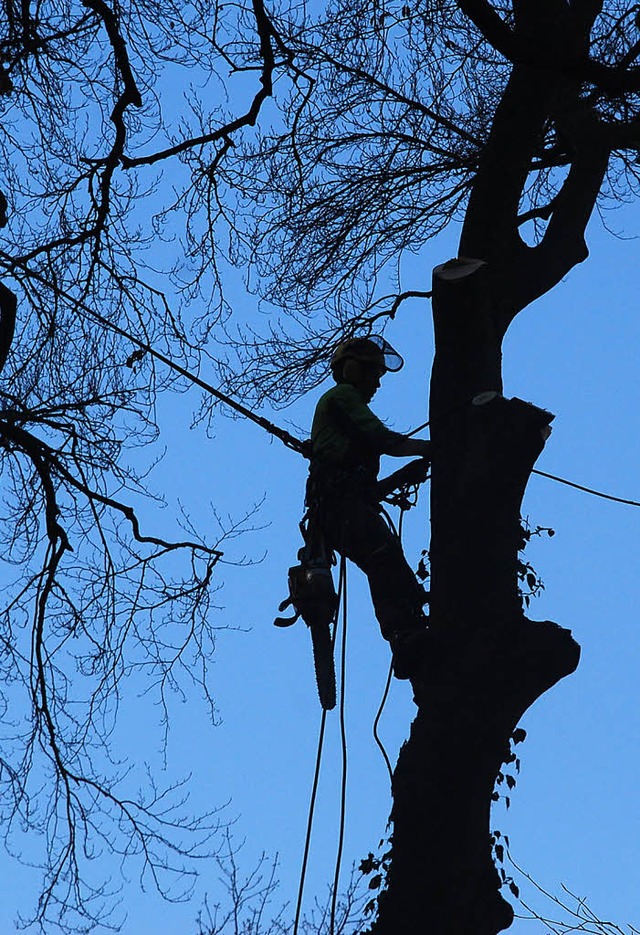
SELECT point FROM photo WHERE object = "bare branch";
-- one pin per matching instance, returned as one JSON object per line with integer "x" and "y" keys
{"x": 248, "y": 119}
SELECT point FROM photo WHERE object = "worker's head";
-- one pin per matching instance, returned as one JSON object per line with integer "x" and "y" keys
{"x": 363, "y": 361}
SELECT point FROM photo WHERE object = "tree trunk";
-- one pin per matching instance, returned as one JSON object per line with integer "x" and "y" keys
{"x": 488, "y": 662}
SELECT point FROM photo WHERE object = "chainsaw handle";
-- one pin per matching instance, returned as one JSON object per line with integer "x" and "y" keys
{"x": 285, "y": 621}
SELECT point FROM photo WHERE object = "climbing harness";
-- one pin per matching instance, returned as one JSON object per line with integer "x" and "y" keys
{"x": 312, "y": 593}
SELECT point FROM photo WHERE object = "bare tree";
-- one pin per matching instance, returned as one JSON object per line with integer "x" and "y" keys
{"x": 91, "y": 598}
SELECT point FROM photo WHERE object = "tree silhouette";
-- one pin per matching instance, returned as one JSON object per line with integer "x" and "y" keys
{"x": 93, "y": 599}
{"x": 122, "y": 207}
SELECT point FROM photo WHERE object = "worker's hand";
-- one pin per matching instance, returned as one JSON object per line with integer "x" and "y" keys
{"x": 411, "y": 448}
{"x": 416, "y": 472}
{"x": 412, "y": 474}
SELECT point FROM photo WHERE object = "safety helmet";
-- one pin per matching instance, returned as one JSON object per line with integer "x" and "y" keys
{"x": 373, "y": 349}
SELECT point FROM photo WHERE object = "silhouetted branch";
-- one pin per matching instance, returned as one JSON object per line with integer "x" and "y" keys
{"x": 8, "y": 308}
{"x": 248, "y": 119}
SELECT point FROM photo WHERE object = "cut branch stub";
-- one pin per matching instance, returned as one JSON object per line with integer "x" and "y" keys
{"x": 468, "y": 346}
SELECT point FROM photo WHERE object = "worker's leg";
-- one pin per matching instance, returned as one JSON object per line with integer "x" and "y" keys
{"x": 362, "y": 534}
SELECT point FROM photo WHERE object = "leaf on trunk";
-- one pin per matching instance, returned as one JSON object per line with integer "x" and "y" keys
{"x": 368, "y": 865}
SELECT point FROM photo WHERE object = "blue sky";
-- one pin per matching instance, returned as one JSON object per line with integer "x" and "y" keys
{"x": 575, "y": 817}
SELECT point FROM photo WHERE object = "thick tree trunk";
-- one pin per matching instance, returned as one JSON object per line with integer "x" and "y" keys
{"x": 442, "y": 879}
{"x": 484, "y": 451}
{"x": 488, "y": 663}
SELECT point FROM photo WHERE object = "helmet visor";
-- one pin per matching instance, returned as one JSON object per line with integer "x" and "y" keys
{"x": 373, "y": 350}
{"x": 392, "y": 360}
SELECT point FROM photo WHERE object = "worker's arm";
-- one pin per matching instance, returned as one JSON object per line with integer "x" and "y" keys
{"x": 366, "y": 431}
{"x": 356, "y": 422}
{"x": 410, "y": 447}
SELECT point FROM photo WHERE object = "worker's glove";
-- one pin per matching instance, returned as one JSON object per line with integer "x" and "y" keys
{"x": 415, "y": 472}
{"x": 410, "y": 475}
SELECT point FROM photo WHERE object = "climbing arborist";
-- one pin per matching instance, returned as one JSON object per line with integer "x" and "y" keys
{"x": 343, "y": 492}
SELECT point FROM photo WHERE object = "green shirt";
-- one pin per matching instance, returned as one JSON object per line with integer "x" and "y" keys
{"x": 346, "y": 435}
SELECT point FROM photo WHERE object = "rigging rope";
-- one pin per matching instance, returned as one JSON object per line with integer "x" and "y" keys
{"x": 589, "y": 490}
{"x": 295, "y": 444}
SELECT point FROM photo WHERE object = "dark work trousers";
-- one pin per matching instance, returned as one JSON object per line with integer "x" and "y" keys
{"x": 355, "y": 527}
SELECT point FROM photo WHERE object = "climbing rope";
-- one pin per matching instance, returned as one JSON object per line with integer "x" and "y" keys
{"x": 343, "y": 745}
{"x": 342, "y": 601}
{"x": 407, "y": 499}
{"x": 312, "y": 806}
{"x": 376, "y": 736}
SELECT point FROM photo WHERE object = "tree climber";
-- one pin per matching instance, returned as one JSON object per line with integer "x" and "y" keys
{"x": 343, "y": 491}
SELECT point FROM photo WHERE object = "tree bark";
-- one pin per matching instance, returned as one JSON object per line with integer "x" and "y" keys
{"x": 488, "y": 663}
{"x": 442, "y": 878}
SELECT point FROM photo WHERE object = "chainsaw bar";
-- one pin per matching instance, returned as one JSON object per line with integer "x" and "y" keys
{"x": 324, "y": 665}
